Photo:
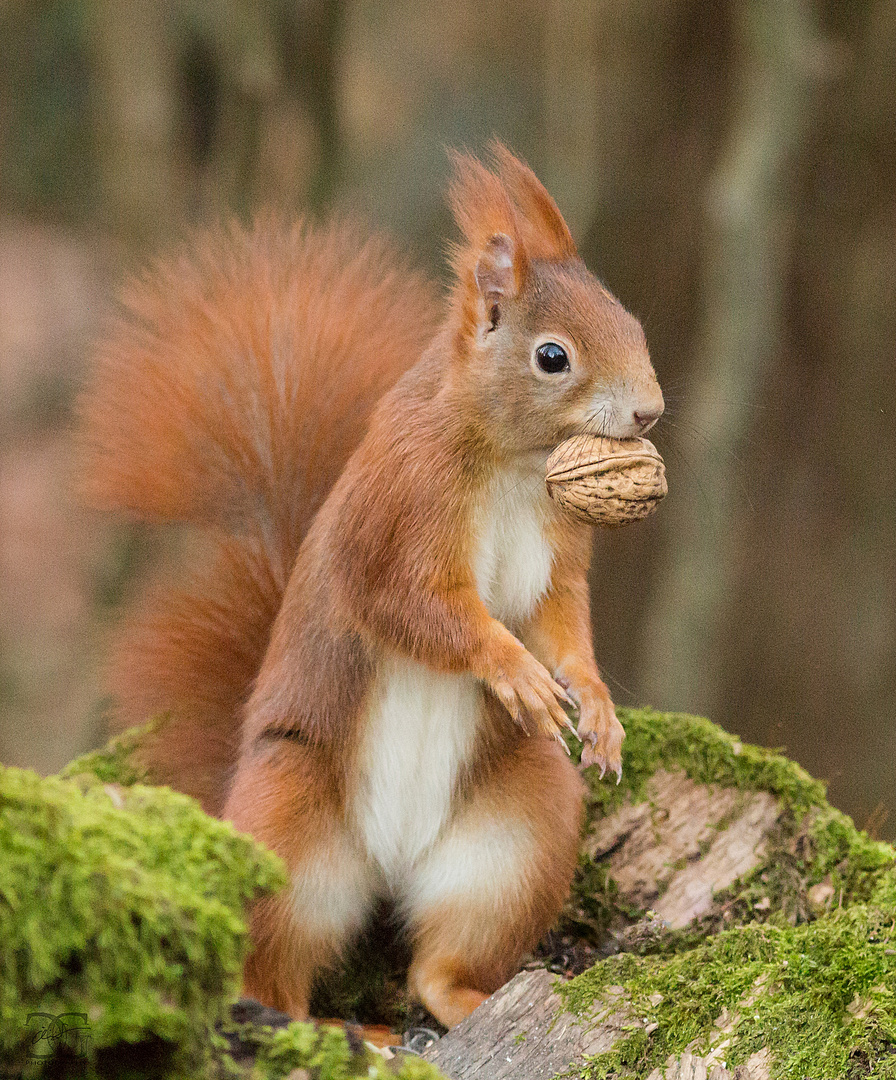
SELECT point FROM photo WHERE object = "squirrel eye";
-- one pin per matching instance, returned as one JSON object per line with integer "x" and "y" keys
{"x": 551, "y": 358}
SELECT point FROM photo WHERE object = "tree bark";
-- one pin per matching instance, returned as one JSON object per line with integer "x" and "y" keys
{"x": 518, "y": 1035}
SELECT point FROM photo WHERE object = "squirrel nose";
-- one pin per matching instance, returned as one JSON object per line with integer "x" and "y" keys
{"x": 645, "y": 418}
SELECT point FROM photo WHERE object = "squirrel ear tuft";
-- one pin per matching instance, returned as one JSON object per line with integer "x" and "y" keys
{"x": 480, "y": 202}
{"x": 546, "y": 234}
{"x": 510, "y": 200}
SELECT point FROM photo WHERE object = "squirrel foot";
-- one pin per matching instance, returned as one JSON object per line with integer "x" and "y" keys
{"x": 600, "y": 732}
{"x": 534, "y": 699}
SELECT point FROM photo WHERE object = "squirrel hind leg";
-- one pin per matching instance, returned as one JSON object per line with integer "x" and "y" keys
{"x": 278, "y": 972}
{"x": 283, "y": 796}
{"x": 444, "y": 989}
{"x": 496, "y": 880}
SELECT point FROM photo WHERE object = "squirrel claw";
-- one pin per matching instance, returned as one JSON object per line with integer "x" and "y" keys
{"x": 591, "y": 755}
{"x": 565, "y": 698}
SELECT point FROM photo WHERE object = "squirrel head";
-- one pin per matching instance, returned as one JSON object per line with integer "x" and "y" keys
{"x": 551, "y": 352}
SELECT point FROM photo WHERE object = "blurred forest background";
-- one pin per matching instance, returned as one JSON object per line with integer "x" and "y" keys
{"x": 729, "y": 168}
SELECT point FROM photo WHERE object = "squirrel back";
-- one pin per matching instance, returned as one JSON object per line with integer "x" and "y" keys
{"x": 231, "y": 391}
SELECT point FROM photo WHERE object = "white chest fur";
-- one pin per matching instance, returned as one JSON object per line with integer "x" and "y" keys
{"x": 422, "y": 724}
{"x": 513, "y": 557}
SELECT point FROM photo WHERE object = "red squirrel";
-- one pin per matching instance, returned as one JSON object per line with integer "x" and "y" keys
{"x": 368, "y": 665}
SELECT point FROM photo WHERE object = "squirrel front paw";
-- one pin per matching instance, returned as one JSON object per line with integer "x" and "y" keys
{"x": 600, "y": 731}
{"x": 533, "y": 698}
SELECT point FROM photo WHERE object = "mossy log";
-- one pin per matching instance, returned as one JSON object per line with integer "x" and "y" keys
{"x": 747, "y": 929}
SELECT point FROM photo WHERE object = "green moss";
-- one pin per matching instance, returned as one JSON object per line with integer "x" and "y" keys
{"x": 820, "y": 996}
{"x": 324, "y": 1050}
{"x": 707, "y": 754}
{"x": 594, "y": 906}
{"x": 124, "y": 904}
{"x": 855, "y": 863}
{"x": 118, "y": 762}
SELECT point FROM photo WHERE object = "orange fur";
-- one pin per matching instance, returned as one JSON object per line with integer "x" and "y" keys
{"x": 230, "y": 392}
{"x": 346, "y": 670}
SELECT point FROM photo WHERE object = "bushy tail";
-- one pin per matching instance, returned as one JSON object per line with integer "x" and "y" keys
{"x": 232, "y": 390}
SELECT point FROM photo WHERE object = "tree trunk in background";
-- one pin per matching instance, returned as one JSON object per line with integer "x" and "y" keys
{"x": 814, "y": 610}
{"x": 141, "y": 165}
{"x": 864, "y": 425}
{"x": 745, "y": 260}
{"x": 242, "y": 44}
{"x": 276, "y": 139}
{"x": 662, "y": 90}
{"x": 568, "y": 151}
{"x": 210, "y": 109}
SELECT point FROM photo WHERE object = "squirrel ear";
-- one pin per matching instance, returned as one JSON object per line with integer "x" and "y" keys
{"x": 491, "y": 263}
{"x": 495, "y": 272}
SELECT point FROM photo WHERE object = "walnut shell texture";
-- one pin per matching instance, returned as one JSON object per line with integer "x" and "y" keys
{"x": 604, "y": 481}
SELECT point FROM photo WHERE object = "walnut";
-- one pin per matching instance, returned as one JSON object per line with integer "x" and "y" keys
{"x": 605, "y": 481}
